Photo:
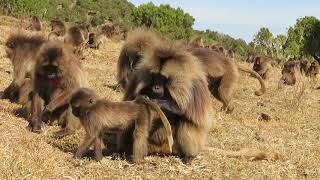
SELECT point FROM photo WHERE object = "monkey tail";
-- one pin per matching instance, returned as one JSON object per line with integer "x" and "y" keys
{"x": 163, "y": 118}
{"x": 262, "y": 90}
{"x": 247, "y": 153}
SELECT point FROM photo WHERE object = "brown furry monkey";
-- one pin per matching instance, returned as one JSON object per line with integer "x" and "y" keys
{"x": 263, "y": 66}
{"x": 97, "y": 115}
{"x": 186, "y": 102}
{"x": 35, "y": 24}
{"x": 58, "y": 27}
{"x": 21, "y": 49}
{"x": 57, "y": 74}
{"x": 77, "y": 36}
{"x": 94, "y": 41}
{"x": 304, "y": 66}
{"x": 137, "y": 43}
{"x": 222, "y": 75}
{"x": 314, "y": 69}
{"x": 197, "y": 42}
{"x": 289, "y": 73}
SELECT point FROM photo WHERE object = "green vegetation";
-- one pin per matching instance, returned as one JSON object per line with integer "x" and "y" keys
{"x": 174, "y": 23}
{"x": 302, "y": 39}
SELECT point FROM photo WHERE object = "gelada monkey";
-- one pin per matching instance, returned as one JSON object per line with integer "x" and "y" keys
{"x": 186, "y": 102}
{"x": 223, "y": 74}
{"x": 263, "y": 66}
{"x": 35, "y": 24}
{"x": 165, "y": 76}
{"x": 138, "y": 41}
{"x": 197, "y": 42}
{"x": 97, "y": 116}
{"x": 21, "y": 49}
{"x": 57, "y": 75}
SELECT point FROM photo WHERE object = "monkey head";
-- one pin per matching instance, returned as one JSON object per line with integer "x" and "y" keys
{"x": 35, "y": 18}
{"x": 137, "y": 42}
{"x": 18, "y": 46}
{"x": 48, "y": 60}
{"x": 82, "y": 100}
{"x": 92, "y": 37}
{"x": 257, "y": 64}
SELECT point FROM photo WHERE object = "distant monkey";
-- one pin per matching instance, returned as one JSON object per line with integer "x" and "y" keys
{"x": 35, "y": 24}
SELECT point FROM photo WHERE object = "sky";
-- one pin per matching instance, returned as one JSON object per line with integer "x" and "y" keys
{"x": 244, "y": 18}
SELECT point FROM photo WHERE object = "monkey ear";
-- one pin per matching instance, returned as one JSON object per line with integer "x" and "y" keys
{"x": 91, "y": 101}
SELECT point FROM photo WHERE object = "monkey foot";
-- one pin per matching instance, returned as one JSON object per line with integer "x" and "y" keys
{"x": 34, "y": 128}
{"x": 187, "y": 160}
{"x": 116, "y": 156}
{"x": 62, "y": 133}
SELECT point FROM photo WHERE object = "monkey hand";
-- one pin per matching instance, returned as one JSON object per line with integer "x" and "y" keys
{"x": 46, "y": 114}
{"x": 34, "y": 127}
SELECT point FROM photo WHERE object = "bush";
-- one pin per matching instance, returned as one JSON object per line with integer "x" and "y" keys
{"x": 168, "y": 21}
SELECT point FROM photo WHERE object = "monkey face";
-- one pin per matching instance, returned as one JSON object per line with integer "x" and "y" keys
{"x": 156, "y": 86}
{"x": 49, "y": 62}
{"x": 81, "y": 105}
{"x": 257, "y": 64}
{"x": 10, "y": 49}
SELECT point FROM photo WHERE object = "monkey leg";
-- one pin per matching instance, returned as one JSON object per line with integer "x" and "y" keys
{"x": 225, "y": 92}
{"x": 98, "y": 148}
{"x": 37, "y": 108}
{"x": 88, "y": 140}
{"x": 267, "y": 75}
{"x": 11, "y": 93}
{"x": 190, "y": 139}
{"x": 72, "y": 124}
{"x": 140, "y": 142}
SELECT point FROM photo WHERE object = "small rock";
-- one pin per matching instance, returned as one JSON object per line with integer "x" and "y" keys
{"x": 261, "y": 104}
{"x": 264, "y": 117}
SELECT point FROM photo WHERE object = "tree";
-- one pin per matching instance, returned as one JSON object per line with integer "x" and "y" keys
{"x": 263, "y": 41}
{"x": 278, "y": 45}
{"x": 174, "y": 23}
{"x": 304, "y": 37}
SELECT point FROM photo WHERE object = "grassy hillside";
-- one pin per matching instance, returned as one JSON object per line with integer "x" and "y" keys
{"x": 293, "y": 132}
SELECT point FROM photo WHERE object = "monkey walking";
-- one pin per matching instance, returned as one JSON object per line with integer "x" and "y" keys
{"x": 223, "y": 74}
{"x": 97, "y": 115}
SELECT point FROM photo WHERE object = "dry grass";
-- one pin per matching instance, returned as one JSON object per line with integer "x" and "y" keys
{"x": 293, "y": 131}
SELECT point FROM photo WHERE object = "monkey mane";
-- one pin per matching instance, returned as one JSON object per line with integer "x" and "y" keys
{"x": 188, "y": 84}
{"x": 139, "y": 39}
{"x": 195, "y": 41}
{"x": 68, "y": 65}
{"x": 21, "y": 39}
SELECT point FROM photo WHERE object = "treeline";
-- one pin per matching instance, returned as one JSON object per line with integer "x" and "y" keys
{"x": 301, "y": 40}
